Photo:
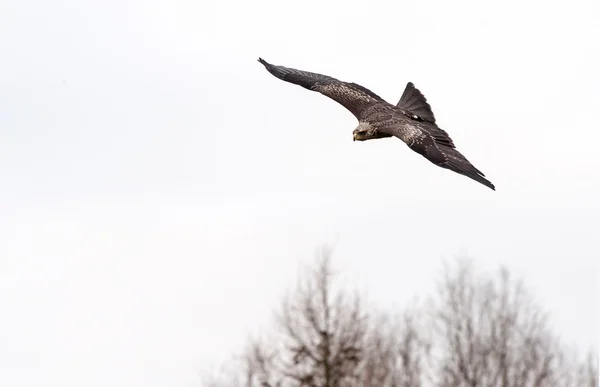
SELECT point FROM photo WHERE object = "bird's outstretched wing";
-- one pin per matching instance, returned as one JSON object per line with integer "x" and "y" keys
{"x": 352, "y": 96}
{"x": 440, "y": 154}
{"x": 454, "y": 160}
{"x": 449, "y": 158}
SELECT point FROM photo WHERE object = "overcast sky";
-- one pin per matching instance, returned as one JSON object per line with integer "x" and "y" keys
{"x": 159, "y": 188}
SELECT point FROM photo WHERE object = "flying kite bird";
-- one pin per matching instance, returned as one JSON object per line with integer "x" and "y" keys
{"x": 411, "y": 120}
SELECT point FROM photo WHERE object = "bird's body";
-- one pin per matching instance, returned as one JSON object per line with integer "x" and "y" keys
{"x": 411, "y": 119}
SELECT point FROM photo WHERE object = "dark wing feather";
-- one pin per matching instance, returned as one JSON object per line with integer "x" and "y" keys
{"x": 352, "y": 96}
{"x": 415, "y": 105}
{"x": 453, "y": 160}
{"x": 439, "y": 135}
{"x": 449, "y": 158}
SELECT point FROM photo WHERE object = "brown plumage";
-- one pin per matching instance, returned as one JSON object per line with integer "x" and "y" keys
{"x": 411, "y": 119}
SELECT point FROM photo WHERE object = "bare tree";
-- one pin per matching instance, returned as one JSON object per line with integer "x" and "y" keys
{"x": 254, "y": 367}
{"x": 396, "y": 351}
{"x": 480, "y": 330}
{"x": 326, "y": 338}
{"x": 590, "y": 372}
{"x": 323, "y": 331}
{"x": 491, "y": 334}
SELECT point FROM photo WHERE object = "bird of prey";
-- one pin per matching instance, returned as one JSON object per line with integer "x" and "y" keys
{"x": 411, "y": 119}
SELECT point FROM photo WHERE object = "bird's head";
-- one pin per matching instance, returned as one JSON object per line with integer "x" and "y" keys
{"x": 365, "y": 131}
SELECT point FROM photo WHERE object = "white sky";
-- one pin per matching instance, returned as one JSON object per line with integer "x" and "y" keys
{"x": 158, "y": 188}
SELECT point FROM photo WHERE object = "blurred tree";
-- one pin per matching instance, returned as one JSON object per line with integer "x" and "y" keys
{"x": 490, "y": 333}
{"x": 478, "y": 331}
